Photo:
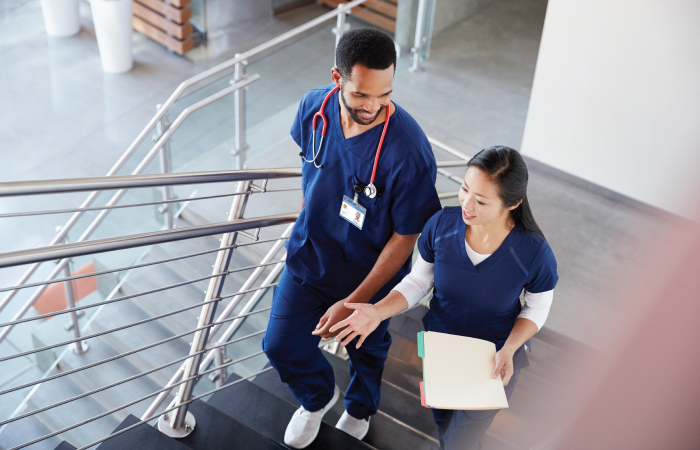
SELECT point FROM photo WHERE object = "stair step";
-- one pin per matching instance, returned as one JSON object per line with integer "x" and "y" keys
{"x": 216, "y": 430}
{"x": 127, "y": 312}
{"x": 69, "y": 414}
{"x": 269, "y": 415}
{"x": 163, "y": 302}
{"x": 141, "y": 437}
{"x": 391, "y": 427}
{"x": 405, "y": 350}
{"x": 108, "y": 373}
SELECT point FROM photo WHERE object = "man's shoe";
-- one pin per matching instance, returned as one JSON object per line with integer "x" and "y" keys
{"x": 356, "y": 428}
{"x": 304, "y": 426}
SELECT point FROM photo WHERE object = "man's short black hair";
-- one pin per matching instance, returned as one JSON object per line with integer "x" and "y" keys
{"x": 371, "y": 48}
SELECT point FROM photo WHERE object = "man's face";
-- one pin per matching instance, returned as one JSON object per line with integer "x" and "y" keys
{"x": 366, "y": 93}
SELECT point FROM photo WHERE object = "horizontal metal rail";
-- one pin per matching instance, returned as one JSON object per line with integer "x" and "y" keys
{"x": 131, "y": 352}
{"x": 451, "y": 150}
{"x": 124, "y": 327}
{"x": 148, "y": 419}
{"x": 65, "y": 185}
{"x": 130, "y": 296}
{"x": 456, "y": 163}
{"x": 136, "y": 205}
{"x": 140, "y": 265}
{"x": 134, "y": 377}
{"x": 65, "y": 251}
{"x": 131, "y": 403}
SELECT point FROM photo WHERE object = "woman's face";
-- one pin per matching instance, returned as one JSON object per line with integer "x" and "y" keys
{"x": 479, "y": 199}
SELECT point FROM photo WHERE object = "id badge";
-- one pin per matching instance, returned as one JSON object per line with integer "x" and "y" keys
{"x": 353, "y": 212}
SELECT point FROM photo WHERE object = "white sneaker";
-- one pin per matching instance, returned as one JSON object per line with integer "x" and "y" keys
{"x": 356, "y": 428}
{"x": 304, "y": 426}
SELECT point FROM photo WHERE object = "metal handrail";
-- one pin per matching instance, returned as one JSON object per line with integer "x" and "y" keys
{"x": 74, "y": 249}
{"x": 136, "y": 205}
{"x": 136, "y": 266}
{"x": 65, "y": 185}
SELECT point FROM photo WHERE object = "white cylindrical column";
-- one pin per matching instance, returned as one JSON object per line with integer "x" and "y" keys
{"x": 61, "y": 17}
{"x": 113, "y": 28}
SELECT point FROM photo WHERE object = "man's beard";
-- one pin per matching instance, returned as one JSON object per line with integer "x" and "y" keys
{"x": 354, "y": 112}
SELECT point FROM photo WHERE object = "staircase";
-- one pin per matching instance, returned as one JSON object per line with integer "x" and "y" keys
{"x": 254, "y": 414}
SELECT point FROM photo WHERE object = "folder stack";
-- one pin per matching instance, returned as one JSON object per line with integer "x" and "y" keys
{"x": 457, "y": 373}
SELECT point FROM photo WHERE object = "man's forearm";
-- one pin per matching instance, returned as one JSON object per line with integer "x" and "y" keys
{"x": 390, "y": 260}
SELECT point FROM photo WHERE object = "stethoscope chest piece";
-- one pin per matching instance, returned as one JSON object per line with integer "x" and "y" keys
{"x": 370, "y": 190}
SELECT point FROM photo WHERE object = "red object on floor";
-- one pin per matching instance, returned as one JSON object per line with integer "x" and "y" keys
{"x": 54, "y": 297}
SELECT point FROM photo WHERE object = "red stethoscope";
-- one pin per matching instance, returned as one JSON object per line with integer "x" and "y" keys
{"x": 370, "y": 190}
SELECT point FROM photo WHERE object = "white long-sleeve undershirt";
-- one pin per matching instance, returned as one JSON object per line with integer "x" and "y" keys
{"x": 421, "y": 280}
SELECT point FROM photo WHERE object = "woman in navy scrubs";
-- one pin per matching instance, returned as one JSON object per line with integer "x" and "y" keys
{"x": 479, "y": 257}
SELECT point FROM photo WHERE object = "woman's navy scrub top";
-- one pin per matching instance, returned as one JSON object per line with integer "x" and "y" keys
{"x": 324, "y": 249}
{"x": 482, "y": 301}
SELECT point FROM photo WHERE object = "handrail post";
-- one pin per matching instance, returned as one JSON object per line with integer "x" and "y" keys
{"x": 341, "y": 25}
{"x": 166, "y": 167}
{"x": 79, "y": 347}
{"x": 239, "y": 100}
{"x": 181, "y": 422}
{"x": 417, "y": 49}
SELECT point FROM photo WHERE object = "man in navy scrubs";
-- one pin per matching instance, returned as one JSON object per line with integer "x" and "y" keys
{"x": 351, "y": 242}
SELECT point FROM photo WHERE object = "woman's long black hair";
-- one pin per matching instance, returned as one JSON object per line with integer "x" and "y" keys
{"x": 507, "y": 168}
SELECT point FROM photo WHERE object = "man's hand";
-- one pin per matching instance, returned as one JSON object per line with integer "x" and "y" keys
{"x": 335, "y": 314}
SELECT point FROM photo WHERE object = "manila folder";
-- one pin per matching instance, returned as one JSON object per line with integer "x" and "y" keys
{"x": 457, "y": 373}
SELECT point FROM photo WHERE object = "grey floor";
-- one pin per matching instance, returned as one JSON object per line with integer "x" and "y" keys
{"x": 61, "y": 116}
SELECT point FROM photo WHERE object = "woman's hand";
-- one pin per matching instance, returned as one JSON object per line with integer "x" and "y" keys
{"x": 361, "y": 323}
{"x": 504, "y": 366}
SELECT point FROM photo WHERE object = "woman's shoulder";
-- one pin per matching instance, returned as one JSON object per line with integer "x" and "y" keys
{"x": 445, "y": 216}
{"x": 531, "y": 245}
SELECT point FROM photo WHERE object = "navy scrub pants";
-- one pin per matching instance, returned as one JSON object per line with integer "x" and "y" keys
{"x": 463, "y": 429}
{"x": 293, "y": 351}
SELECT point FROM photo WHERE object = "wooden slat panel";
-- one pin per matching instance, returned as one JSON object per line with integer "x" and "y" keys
{"x": 367, "y": 14}
{"x": 386, "y": 8}
{"x": 335, "y": 3}
{"x": 179, "y": 3}
{"x": 179, "y": 47}
{"x": 376, "y": 19}
{"x": 169, "y": 11}
{"x": 155, "y": 19}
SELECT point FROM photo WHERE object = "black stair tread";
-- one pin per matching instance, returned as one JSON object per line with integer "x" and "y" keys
{"x": 141, "y": 437}
{"x": 216, "y": 430}
{"x": 269, "y": 415}
{"x": 64, "y": 446}
{"x": 384, "y": 432}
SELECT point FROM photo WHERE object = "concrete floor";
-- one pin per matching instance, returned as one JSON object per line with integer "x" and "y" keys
{"x": 63, "y": 117}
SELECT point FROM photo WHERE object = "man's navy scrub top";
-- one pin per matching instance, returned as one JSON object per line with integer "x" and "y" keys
{"x": 482, "y": 301}
{"x": 324, "y": 249}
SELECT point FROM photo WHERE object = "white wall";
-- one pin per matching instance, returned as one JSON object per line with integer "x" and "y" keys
{"x": 616, "y": 97}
